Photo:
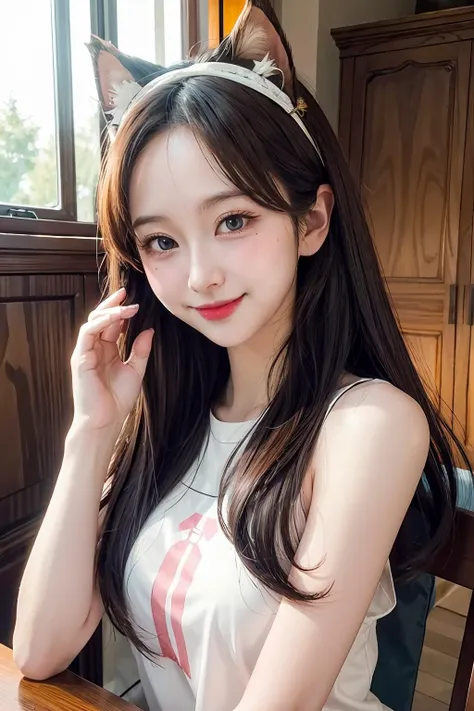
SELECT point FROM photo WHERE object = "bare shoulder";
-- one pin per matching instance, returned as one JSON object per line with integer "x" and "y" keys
{"x": 377, "y": 410}
{"x": 378, "y": 401}
{"x": 374, "y": 442}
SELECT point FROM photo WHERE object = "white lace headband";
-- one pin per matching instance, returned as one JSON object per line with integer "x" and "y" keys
{"x": 254, "y": 79}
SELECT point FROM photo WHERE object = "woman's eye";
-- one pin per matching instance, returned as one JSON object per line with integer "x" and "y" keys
{"x": 162, "y": 244}
{"x": 234, "y": 223}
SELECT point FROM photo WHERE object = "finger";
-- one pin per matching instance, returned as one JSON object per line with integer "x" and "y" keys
{"x": 111, "y": 334}
{"x": 91, "y": 330}
{"x": 112, "y": 309}
{"x": 140, "y": 351}
{"x": 116, "y": 298}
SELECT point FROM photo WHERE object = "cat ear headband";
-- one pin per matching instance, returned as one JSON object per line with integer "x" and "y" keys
{"x": 256, "y": 54}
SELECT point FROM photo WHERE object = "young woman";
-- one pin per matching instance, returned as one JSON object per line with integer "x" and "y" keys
{"x": 246, "y": 397}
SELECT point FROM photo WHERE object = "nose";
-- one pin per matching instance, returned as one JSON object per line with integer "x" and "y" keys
{"x": 204, "y": 274}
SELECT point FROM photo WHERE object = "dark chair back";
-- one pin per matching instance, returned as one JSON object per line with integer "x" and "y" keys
{"x": 401, "y": 634}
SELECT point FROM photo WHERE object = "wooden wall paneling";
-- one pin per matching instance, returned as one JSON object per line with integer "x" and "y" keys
{"x": 345, "y": 109}
{"x": 464, "y": 375}
{"x": 47, "y": 285}
{"x": 23, "y": 225}
{"x": 14, "y": 549}
{"x": 93, "y": 288}
{"x": 465, "y": 383}
{"x": 39, "y": 319}
{"x": 32, "y": 254}
{"x": 409, "y": 160}
{"x": 423, "y": 331}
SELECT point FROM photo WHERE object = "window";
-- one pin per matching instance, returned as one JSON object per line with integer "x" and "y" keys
{"x": 86, "y": 113}
{"x": 50, "y": 122}
{"x": 28, "y": 138}
{"x": 151, "y": 29}
{"x": 222, "y": 15}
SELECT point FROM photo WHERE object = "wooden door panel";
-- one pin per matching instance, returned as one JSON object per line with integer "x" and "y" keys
{"x": 407, "y": 151}
{"x": 421, "y": 313}
{"x": 464, "y": 371}
{"x": 46, "y": 284}
{"x": 426, "y": 348}
{"x": 39, "y": 316}
{"x": 408, "y": 134}
{"x": 406, "y": 167}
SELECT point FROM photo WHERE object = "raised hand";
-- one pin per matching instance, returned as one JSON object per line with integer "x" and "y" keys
{"x": 105, "y": 388}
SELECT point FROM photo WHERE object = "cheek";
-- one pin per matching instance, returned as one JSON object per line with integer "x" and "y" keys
{"x": 164, "y": 279}
{"x": 272, "y": 254}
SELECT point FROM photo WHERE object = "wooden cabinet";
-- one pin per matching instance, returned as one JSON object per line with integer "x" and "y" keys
{"x": 47, "y": 284}
{"x": 406, "y": 126}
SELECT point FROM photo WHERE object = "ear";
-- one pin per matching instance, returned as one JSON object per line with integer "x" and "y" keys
{"x": 317, "y": 223}
{"x": 257, "y": 33}
{"x": 118, "y": 77}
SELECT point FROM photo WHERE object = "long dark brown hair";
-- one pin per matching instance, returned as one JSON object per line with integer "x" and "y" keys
{"x": 343, "y": 323}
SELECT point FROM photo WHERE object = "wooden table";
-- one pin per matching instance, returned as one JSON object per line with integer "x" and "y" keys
{"x": 64, "y": 692}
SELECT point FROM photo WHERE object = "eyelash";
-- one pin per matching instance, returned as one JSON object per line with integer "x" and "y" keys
{"x": 146, "y": 243}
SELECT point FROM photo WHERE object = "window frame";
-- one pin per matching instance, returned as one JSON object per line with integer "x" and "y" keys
{"x": 64, "y": 129}
{"x": 63, "y": 221}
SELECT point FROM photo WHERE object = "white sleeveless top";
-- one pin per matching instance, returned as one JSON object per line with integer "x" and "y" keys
{"x": 194, "y": 602}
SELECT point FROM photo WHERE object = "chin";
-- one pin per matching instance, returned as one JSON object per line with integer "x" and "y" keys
{"x": 226, "y": 334}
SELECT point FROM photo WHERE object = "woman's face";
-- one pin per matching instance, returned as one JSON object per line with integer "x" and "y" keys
{"x": 213, "y": 257}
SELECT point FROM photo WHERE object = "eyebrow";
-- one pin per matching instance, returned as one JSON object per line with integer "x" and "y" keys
{"x": 205, "y": 205}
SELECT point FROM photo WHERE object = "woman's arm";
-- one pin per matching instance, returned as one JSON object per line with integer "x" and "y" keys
{"x": 58, "y": 604}
{"x": 367, "y": 465}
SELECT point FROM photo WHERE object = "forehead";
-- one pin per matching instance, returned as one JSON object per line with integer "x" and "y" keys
{"x": 174, "y": 167}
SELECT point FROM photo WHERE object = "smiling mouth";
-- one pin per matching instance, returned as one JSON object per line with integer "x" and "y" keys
{"x": 219, "y": 310}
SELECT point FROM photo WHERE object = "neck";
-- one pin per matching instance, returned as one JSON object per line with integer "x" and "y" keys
{"x": 249, "y": 389}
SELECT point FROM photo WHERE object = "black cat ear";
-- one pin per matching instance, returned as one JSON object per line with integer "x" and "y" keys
{"x": 258, "y": 34}
{"x": 119, "y": 77}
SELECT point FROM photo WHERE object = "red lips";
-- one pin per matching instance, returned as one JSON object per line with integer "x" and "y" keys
{"x": 219, "y": 310}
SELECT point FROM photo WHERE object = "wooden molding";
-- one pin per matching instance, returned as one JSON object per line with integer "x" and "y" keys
{"x": 38, "y": 254}
{"x": 50, "y": 228}
{"x": 437, "y": 27}
{"x": 52, "y": 243}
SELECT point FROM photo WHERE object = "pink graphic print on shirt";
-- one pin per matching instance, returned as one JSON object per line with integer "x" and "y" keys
{"x": 172, "y": 574}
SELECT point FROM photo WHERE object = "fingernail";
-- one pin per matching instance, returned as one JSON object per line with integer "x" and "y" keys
{"x": 131, "y": 306}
